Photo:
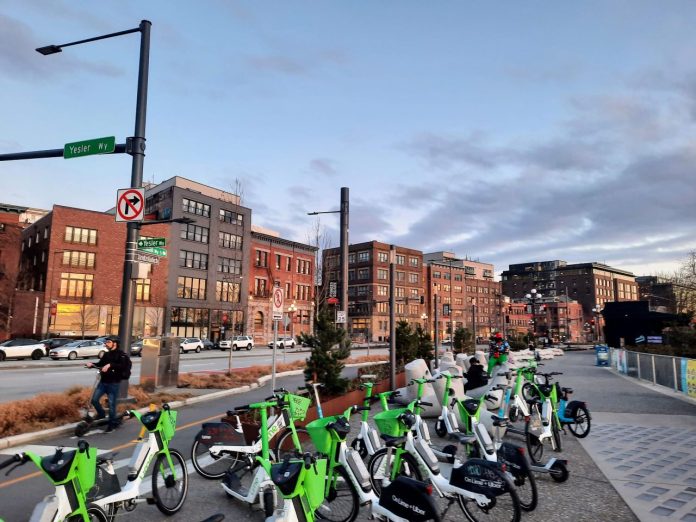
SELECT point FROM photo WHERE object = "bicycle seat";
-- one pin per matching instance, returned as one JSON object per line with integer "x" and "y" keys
{"x": 567, "y": 390}
{"x": 392, "y": 442}
{"x": 462, "y": 438}
{"x": 499, "y": 421}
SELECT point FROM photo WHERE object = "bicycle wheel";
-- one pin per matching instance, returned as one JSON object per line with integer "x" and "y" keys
{"x": 379, "y": 475}
{"x": 580, "y": 427}
{"x": 342, "y": 502}
{"x": 169, "y": 486}
{"x": 503, "y": 508}
{"x": 94, "y": 513}
{"x": 556, "y": 432}
{"x": 535, "y": 448}
{"x": 529, "y": 392}
{"x": 286, "y": 446}
{"x": 526, "y": 488}
{"x": 209, "y": 466}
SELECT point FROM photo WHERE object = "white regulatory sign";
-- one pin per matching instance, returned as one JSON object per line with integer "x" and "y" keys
{"x": 130, "y": 204}
{"x": 277, "y": 304}
{"x": 340, "y": 316}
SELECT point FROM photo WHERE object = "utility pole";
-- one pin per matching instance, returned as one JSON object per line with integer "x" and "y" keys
{"x": 344, "y": 253}
{"x": 392, "y": 317}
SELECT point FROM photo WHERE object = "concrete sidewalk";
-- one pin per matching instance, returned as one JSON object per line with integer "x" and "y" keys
{"x": 643, "y": 438}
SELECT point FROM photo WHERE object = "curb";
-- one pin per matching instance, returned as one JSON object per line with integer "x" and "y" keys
{"x": 26, "y": 438}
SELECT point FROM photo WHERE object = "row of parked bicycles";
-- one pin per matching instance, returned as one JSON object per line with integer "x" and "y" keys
{"x": 391, "y": 466}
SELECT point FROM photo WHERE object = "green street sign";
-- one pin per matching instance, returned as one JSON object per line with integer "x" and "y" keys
{"x": 152, "y": 242}
{"x": 158, "y": 251}
{"x": 89, "y": 147}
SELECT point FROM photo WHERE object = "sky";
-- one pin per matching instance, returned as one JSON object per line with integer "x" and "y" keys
{"x": 502, "y": 131}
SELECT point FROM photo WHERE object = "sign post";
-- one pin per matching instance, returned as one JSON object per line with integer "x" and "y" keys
{"x": 277, "y": 316}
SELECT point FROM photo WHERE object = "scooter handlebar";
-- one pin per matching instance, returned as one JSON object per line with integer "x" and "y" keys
{"x": 18, "y": 457}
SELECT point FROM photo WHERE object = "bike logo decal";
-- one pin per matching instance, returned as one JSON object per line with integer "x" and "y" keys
{"x": 405, "y": 504}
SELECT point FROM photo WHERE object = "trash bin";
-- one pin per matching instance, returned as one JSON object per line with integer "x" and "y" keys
{"x": 160, "y": 362}
{"x": 602, "y": 353}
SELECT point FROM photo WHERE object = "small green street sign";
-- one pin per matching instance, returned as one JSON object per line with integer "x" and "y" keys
{"x": 152, "y": 242}
{"x": 158, "y": 251}
{"x": 89, "y": 147}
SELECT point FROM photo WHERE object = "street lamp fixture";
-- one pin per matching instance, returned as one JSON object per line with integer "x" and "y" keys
{"x": 597, "y": 311}
{"x": 291, "y": 310}
{"x": 533, "y": 296}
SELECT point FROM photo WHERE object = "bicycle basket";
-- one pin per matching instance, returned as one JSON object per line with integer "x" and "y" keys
{"x": 298, "y": 406}
{"x": 167, "y": 424}
{"x": 388, "y": 422}
{"x": 321, "y": 437}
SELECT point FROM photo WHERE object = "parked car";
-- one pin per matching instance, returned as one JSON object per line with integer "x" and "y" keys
{"x": 191, "y": 344}
{"x": 237, "y": 342}
{"x": 136, "y": 349}
{"x": 283, "y": 342}
{"x": 76, "y": 349}
{"x": 55, "y": 342}
{"x": 21, "y": 349}
{"x": 208, "y": 344}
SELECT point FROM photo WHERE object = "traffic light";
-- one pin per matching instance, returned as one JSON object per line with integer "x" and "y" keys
{"x": 422, "y": 299}
{"x": 592, "y": 321}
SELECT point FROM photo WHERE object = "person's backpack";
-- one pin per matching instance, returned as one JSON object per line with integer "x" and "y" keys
{"x": 125, "y": 366}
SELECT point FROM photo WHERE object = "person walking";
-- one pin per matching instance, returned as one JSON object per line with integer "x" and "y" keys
{"x": 111, "y": 367}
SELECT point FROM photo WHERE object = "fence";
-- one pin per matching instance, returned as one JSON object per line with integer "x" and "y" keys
{"x": 676, "y": 373}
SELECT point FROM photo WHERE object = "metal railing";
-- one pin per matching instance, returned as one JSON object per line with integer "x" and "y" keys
{"x": 676, "y": 373}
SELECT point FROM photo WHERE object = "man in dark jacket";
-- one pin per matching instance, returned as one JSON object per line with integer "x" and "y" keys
{"x": 110, "y": 366}
{"x": 476, "y": 376}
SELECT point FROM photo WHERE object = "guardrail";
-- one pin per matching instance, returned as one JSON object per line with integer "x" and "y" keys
{"x": 676, "y": 373}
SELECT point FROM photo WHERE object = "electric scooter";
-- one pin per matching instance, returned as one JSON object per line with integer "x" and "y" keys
{"x": 90, "y": 422}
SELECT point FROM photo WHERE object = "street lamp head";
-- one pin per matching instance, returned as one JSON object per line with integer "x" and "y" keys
{"x": 49, "y": 49}
{"x": 533, "y": 291}
{"x": 528, "y": 296}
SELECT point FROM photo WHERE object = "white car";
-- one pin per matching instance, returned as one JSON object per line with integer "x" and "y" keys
{"x": 191, "y": 344}
{"x": 77, "y": 349}
{"x": 21, "y": 349}
{"x": 283, "y": 342}
{"x": 240, "y": 341}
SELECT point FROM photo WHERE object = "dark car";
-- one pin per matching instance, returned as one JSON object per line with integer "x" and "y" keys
{"x": 136, "y": 349}
{"x": 208, "y": 344}
{"x": 55, "y": 342}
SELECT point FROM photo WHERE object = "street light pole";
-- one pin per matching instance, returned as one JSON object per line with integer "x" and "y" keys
{"x": 135, "y": 146}
{"x": 532, "y": 298}
{"x": 392, "y": 317}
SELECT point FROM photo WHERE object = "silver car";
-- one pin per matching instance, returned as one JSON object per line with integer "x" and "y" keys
{"x": 77, "y": 349}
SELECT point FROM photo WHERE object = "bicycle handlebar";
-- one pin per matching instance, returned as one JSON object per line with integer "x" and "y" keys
{"x": 356, "y": 409}
{"x": 280, "y": 390}
{"x": 18, "y": 457}
{"x": 423, "y": 403}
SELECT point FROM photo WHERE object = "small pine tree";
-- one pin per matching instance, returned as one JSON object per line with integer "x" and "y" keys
{"x": 463, "y": 341}
{"x": 406, "y": 343}
{"x": 330, "y": 347}
{"x": 425, "y": 345}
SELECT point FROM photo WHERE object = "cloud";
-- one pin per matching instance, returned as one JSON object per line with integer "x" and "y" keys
{"x": 323, "y": 166}
{"x": 303, "y": 64}
{"x": 20, "y": 60}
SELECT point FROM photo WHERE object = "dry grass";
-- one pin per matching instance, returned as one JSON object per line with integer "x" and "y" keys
{"x": 48, "y": 410}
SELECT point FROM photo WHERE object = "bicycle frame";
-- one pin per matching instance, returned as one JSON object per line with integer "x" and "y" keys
{"x": 277, "y": 424}
{"x": 368, "y": 435}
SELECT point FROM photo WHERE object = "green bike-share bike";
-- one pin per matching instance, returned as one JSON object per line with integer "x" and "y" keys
{"x": 87, "y": 487}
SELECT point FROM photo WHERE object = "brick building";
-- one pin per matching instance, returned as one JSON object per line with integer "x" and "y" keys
{"x": 292, "y": 266}
{"x": 70, "y": 277}
{"x": 590, "y": 284}
{"x": 466, "y": 294}
{"x": 10, "y": 240}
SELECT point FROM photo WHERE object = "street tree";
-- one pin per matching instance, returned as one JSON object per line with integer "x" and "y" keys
{"x": 330, "y": 348}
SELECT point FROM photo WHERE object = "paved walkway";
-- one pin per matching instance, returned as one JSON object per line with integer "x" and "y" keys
{"x": 643, "y": 439}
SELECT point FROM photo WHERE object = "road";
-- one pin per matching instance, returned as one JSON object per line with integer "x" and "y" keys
{"x": 24, "y": 379}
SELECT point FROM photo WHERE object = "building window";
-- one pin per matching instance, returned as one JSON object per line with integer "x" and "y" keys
{"x": 382, "y": 307}
{"x": 227, "y": 216}
{"x": 303, "y": 267}
{"x": 260, "y": 287}
{"x": 413, "y": 261}
{"x": 400, "y": 291}
{"x": 288, "y": 289}
{"x": 189, "y": 322}
{"x": 229, "y": 266}
{"x": 414, "y": 293}
{"x": 46, "y": 232}
{"x": 85, "y": 236}
{"x": 190, "y": 288}
{"x": 194, "y": 233}
{"x": 78, "y": 259}
{"x": 288, "y": 264}
{"x": 412, "y": 277}
{"x": 278, "y": 261}
{"x": 261, "y": 258}
{"x": 193, "y": 260}
{"x": 401, "y": 276}
{"x": 457, "y": 277}
{"x": 382, "y": 290}
{"x": 363, "y": 273}
{"x": 351, "y": 275}
{"x": 363, "y": 256}
{"x": 76, "y": 285}
{"x": 230, "y": 240}
{"x": 351, "y": 258}
{"x": 400, "y": 259}
{"x": 227, "y": 292}
{"x": 382, "y": 274}
{"x": 195, "y": 207}
{"x": 142, "y": 289}
{"x": 382, "y": 257}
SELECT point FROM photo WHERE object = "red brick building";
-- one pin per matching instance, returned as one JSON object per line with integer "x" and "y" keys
{"x": 10, "y": 240}
{"x": 70, "y": 277}
{"x": 292, "y": 265}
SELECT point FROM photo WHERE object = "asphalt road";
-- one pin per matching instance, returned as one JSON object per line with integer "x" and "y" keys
{"x": 24, "y": 379}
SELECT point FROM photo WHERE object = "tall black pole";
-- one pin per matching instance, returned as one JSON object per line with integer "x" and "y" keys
{"x": 437, "y": 332}
{"x": 136, "y": 149}
{"x": 392, "y": 317}
{"x": 344, "y": 253}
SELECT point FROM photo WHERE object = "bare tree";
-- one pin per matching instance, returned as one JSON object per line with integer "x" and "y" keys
{"x": 683, "y": 281}
{"x": 318, "y": 237}
{"x": 88, "y": 316}
{"x": 154, "y": 317}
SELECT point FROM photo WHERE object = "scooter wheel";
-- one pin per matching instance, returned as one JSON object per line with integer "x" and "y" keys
{"x": 81, "y": 428}
{"x": 440, "y": 428}
{"x": 559, "y": 471}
